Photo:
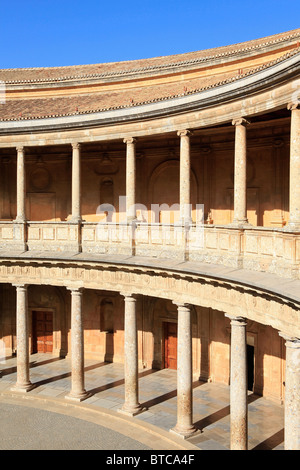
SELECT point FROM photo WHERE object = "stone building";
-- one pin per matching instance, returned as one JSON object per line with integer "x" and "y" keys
{"x": 150, "y": 215}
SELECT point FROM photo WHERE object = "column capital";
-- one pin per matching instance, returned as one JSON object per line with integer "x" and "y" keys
{"x": 129, "y": 296}
{"x": 129, "y": 140}
{"x": 76, "y": 145}
{"x": 240, "y": 321}
{"x": 290, "y": 339}
{"x": 75, "y": 290}
{"x": 20, "y": 148}
{"x": 20, "y": 286}
{"x": 182, "y": 304}
{"x": 240, "y": 122}
{"x": 184, "y": 133}
{"x": 293, "y": 105}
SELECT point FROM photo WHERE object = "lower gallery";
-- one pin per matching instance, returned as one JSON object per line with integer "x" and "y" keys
{"x": 49, "y": 323}
{"x": 150, "y": 216}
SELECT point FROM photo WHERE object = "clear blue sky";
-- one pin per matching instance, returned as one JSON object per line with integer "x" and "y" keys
{"x": 38, "y": 33}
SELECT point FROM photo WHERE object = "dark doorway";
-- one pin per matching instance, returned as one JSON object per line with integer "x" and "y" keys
{"x": 170, "y": 345}
{"x": 250, "y": 366}
{"x": 42, "y": 331}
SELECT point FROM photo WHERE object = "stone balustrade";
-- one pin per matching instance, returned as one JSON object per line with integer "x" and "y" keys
{"x": 53, "y": 236}
{"x": 273, "y": 250}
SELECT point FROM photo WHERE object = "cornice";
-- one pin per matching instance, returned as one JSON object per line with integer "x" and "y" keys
{"x": 186, "y": 270}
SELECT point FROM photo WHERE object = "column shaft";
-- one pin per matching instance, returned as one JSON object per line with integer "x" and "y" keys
{"x": 78, "y": 391}
{"x": 294, "y": 219}
{"x": 131, "y": 405}
{"x": 21, "y": 185}
{"x": 240, "y": 173}
{"x": 23, "y": 383}
{"x": 184, "y": 426}
{"x": 76, "y": 183}
{"x": 292, "y": 395}
{"x": 130, "y": 179}
{"x": 238, "y": 385}
{"x": 185, "y": 176}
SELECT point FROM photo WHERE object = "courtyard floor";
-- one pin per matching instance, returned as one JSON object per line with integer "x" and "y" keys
{"x": 96, "y": 423}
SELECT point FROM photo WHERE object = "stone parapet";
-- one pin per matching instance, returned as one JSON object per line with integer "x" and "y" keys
{"x": 259, "y": 249}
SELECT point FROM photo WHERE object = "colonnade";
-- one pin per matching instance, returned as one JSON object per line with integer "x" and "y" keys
{"x": 184, "y": 426}
{"x": 240, "y": 175}
{"x": 238, "y": 370}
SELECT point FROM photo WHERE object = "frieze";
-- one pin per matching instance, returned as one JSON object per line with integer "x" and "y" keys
{"x": 254, "y": 304}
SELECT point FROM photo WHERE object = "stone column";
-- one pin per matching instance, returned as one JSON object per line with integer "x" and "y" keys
{"x": 294, "y": 219}
{"x": 21, "y": 185}
{"x": 240, "y": 173}
{"x": 184, "y": 426}
{"x": 130, "y": 178}
{"x": 131, "y": 405}
{"x": 292, "y": 394}
{"x": 238, "y": 385}
{"x": 23, "y": 383}
{"x": 185, "y": 176}
{"x": 78, "y": 392}
{"x": 76, "y": 183}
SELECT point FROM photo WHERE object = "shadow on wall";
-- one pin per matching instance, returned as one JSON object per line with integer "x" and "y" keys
{"x": 103, "y": 318}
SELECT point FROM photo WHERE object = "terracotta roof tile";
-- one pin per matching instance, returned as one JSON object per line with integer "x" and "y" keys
{"x": 38, "y": 108}
{"x": 46, "y": 74}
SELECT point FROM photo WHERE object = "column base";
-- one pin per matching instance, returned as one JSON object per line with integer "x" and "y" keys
{"x": 132, "y": 411}
{"x": 185, "y": 222}
{"x": 75, "y": 220}
{"x": 292, "y": 227}
{"x": 24, "y": 388}
{"x": 130, "y": 219}
{"x": 78, "y": 397}
{"x": 184, "y": 433}
{"x": 240, "y": 224}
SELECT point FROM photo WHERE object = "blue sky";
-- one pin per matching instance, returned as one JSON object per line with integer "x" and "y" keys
{"x": 39, "y": 33}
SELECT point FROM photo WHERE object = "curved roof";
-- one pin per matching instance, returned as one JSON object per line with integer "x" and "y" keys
{"x": 37, "y": 93}
{"x": 39, "y": 74}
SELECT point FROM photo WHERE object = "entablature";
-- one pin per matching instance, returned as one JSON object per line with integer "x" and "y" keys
{"x": 265, "y": 91}
{"x": 230, "y": 291}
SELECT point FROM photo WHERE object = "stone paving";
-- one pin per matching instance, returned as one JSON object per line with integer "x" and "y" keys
{"x": 36, "y": 429}
{"x": 157, "y": 392}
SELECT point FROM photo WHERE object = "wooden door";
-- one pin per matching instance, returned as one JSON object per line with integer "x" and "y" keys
{"x": 170, "y": 345}
{"x": 42, "y": 323}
